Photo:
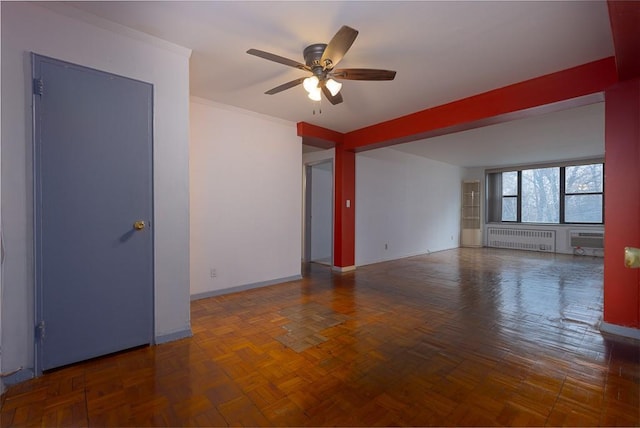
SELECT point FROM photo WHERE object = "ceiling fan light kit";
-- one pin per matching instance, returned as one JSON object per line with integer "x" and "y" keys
{"x": 320, "y": 59}
{"x": 310, "y": 84}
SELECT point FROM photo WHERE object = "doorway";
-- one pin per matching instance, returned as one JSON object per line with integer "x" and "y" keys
{"x": 93, "y": 141}
{"x": 318, "y": 235}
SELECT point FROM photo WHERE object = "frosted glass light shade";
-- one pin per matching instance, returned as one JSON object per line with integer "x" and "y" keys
{"x": 310, "y": 84}
{"x": 333, "y": 86}
{"x": 315, "y": 94}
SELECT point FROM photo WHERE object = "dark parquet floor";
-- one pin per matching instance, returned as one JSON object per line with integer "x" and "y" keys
{"x": 467, "y": 337}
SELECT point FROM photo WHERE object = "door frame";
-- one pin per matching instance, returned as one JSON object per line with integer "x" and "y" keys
{"x": 306, "y": 237}
{"x": 36, "y": 189}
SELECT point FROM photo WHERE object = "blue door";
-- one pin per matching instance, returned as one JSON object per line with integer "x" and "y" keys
{"x": 93, "y": 212}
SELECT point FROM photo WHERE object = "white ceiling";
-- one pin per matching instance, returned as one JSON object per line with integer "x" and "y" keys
{"x": 570, "y": 134}
{"x": 442, "y": 51}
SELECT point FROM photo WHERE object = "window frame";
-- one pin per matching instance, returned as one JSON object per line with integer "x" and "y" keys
{"x": 558, "y": 183}
{"x": 517, "y": 196}
{"x": 564, "y": 194}
{"x": 494, "y": 202}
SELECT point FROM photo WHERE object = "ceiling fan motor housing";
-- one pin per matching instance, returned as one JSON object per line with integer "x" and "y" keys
{"x": 313, "y": 55}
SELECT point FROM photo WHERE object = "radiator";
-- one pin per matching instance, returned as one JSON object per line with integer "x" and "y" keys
{"x": 586, "y": 239}
{"x": 522, "y": 239}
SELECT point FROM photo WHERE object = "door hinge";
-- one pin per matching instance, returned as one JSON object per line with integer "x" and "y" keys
{"x": 38, "y": 87}
{"x": 40, "y": 330}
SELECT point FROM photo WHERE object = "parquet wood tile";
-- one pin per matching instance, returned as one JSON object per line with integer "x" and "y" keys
{"x": 467, "y": 337}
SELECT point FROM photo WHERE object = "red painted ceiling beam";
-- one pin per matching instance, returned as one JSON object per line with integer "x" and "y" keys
{"x": 579, "y": 85}
{"x": 625, "y": 28}
{"x": 318, "y": 136}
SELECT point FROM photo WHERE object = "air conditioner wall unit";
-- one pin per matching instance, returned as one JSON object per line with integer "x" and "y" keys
{"x": 587, "y": 239}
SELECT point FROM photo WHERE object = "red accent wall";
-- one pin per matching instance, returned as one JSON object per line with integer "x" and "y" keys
{"x": 345, "y": 217}
{"x": 622, "y": 202}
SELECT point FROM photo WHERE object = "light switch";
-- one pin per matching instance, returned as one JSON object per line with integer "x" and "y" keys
{"x": 348, "y": 203}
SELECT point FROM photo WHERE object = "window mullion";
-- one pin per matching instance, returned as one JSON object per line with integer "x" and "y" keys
{"x": 583, "y": 194}
{"x": 603, "y": 194}
{"x": 519, "y": 199}
{"x": 563, "y": 186}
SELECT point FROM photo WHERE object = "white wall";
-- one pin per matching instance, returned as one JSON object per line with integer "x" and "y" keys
{"x": 27, "y": 27}
{"x": 407, "y": 202}
{"x": 321, "y": 211}
{"x": 245, "y": 198}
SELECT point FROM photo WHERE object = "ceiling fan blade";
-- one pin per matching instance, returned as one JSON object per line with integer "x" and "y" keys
{"x": 363, "y": 74}
{"x": 338, "y": 46}
{"x": 279, "y": 59}
{"x": 285, "y": 86}
{"x": 333, "y": 99}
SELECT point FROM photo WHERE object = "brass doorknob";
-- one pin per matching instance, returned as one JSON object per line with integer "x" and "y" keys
{"x": 138, "y": 225}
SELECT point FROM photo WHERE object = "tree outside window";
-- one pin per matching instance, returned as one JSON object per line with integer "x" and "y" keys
{"x": 541, "y": 195}
{"x": 510, "y": 196}
{"x": 583, "y": 193}
{"x": 553, "y": 195}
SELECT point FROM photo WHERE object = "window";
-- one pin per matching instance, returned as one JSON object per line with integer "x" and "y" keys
{"x": 553, "y": 195}
{"x": 541, "y": 195}
{"x": 510, "y": 196}
{"x": 583, "y": 189}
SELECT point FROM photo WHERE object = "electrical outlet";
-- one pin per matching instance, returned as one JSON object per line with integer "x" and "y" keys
{"x": 213, "y": 273}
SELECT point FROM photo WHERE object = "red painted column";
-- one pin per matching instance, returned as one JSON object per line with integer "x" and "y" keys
{"x": 624, "y": 17}
{"x": 622, "y": 202}
{"x": 344, "y": 234}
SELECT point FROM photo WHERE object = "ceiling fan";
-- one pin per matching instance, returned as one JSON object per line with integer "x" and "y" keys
{"x": 320, "y": 59}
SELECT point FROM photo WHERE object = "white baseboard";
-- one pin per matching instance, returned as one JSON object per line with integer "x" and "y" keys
{"x": 619, "y": 330}
{"x": 238, "y": 288}
{"x": 18, "y": 376}
{"x": 170, "y": 337}
{"x": 343, "y": 269}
